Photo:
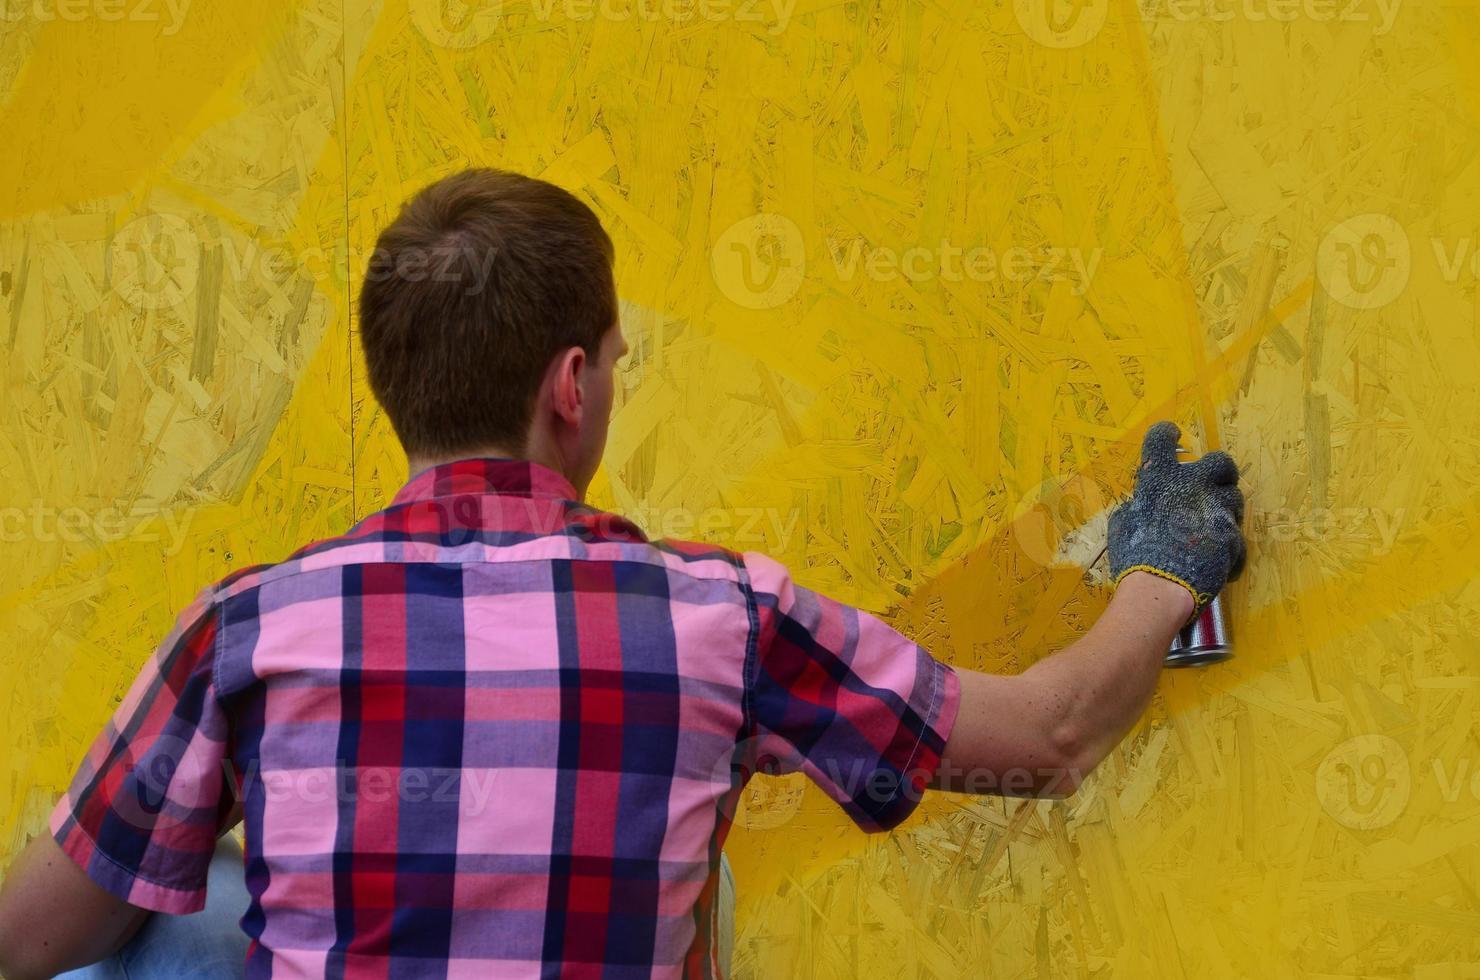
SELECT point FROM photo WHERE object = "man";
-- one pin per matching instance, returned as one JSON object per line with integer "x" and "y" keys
{"x": 490, "y": 731}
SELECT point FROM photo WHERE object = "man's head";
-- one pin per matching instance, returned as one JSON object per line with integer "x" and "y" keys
{"x": 489, "y": 324}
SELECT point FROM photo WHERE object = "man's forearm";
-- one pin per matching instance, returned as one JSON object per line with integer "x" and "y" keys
{"x": 1100, "y": 684}
{"x": 1040, "y": 732}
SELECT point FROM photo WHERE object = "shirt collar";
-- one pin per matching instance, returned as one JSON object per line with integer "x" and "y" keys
{"x": 486, "y": 474}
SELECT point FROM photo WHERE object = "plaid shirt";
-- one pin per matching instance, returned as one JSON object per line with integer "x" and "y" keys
{"x": 492, "y": 731}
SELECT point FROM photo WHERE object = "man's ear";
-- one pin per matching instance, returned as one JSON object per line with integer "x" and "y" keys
{"x": 567, "y": 393}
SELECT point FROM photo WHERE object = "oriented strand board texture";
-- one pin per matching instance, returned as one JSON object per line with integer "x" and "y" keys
{"x": 903, "y": 282}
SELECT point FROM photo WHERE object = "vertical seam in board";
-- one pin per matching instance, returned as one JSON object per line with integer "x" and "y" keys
{"x": 354, "y": 497}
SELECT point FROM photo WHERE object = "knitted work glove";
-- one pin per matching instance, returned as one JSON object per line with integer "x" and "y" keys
{"x": 1182, "y": 521}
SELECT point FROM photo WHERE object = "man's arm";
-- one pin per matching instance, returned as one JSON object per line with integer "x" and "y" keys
{"x": 137, "y": 827}
{"x": 1172, "y": 547}
{"x": 53, "y": 917}
{"x": 1039, "y": 733}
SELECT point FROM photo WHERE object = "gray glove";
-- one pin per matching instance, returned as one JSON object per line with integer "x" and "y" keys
{"x": 1182, "y": 521}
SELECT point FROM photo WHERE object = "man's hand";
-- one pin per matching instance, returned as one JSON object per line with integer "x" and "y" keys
{"x": 1182, "y": 522}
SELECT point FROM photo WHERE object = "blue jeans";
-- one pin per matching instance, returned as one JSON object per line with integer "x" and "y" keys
{"x": 210, "y": 943}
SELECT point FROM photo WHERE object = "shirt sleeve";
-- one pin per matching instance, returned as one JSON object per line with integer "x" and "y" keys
{"x": 834, "y": 692}
{"x": 143, "y": 812}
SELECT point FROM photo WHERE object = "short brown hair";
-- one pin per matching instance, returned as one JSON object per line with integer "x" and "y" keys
{"x": 482, "y": 279}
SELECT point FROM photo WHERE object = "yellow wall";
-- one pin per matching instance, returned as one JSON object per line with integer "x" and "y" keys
{"x": 896, "y": 379}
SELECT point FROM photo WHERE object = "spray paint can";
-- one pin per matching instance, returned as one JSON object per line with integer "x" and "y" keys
{"x": 1203, "y": 641}
{"x": 1206, "y": 639}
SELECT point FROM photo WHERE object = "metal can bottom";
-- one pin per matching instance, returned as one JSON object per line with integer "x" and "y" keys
{"x": 1198, "y": 656}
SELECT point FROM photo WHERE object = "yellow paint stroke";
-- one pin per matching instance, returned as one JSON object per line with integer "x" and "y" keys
{"x": 114, "y": 99}
{"x": 983, "y": 587}
{"x": 1196, "y": 340}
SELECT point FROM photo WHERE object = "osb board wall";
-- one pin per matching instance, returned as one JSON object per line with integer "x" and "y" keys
{"x": 904, "y": 283}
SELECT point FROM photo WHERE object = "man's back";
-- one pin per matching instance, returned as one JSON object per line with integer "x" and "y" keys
{"x": 493, "y": 728}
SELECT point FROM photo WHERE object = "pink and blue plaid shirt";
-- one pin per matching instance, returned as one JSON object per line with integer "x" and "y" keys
{"x": 491, "y": 731}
